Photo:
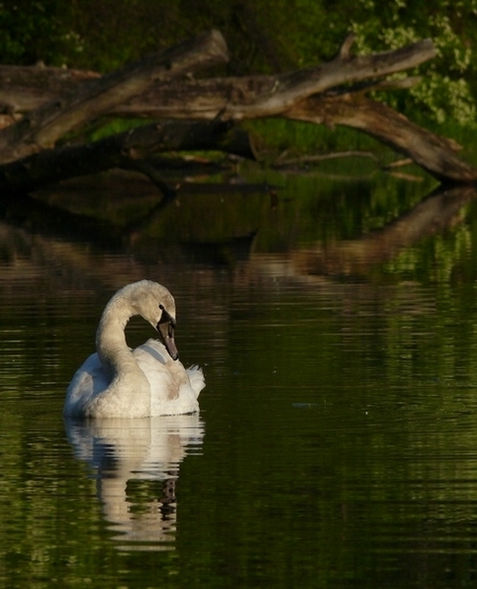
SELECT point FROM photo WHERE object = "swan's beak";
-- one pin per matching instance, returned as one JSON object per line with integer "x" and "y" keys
{"x": 166, "y": 329}
{"x": 170, "y": 343}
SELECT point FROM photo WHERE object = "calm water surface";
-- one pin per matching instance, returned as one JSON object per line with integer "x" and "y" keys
{"x": 337, "y": 440}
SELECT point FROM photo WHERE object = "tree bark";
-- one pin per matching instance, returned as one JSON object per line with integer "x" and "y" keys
{"x": 231, "y": 98}
{"x": 26, "y": 88}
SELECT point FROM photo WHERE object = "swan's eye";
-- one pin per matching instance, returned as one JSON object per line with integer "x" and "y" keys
{"x": 164, "y": 315}
{"x": 166, "y": 318}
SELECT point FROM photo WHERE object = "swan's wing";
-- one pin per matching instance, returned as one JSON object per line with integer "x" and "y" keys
{"x": 155, "y": 362}
{"x": 152, "y": 354}
{"x": 88, "y": 381}
{"x": 171, "y": 389}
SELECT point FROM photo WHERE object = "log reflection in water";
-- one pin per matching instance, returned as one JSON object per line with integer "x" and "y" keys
{"x": 44, "y": 231}
{"x": 439, "y": 211}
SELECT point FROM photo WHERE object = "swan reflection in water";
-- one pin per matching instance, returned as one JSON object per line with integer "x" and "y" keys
{"x": 136, "y": 463}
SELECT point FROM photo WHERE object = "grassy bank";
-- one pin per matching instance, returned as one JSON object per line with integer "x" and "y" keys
{"x": 275, "y": 136}
{"x": 278, "y": 135}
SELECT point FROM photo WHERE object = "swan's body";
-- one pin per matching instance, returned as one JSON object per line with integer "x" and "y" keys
{"x": 146, "y": 382}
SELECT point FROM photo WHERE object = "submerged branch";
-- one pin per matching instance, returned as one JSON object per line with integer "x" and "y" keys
{"x": 310, "y": 159}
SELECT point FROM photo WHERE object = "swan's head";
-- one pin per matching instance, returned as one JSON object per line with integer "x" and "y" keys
{"x": 156, "y": 304}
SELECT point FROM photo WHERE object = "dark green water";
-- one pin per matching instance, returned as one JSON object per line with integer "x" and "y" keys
{"x": 337, "y": 440}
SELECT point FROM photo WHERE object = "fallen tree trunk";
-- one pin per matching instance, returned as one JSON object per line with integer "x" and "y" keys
{"x": 435, "y": 154}
{"x": 230, "y": 98}
{"x": 26, "y": 88}
{"x": 320, "y": 95}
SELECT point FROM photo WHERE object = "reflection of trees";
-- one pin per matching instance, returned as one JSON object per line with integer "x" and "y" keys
{"x": 440, "y": 211}
{"x": 136, "y": 464}
{"x": 53, "y": 224}
{"x": 41, "y": 258}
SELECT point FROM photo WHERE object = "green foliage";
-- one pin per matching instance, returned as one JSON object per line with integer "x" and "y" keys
{"x": 299, "y": 138}
{"x": 37, "y": 31}
{"x": 446, "y": 91}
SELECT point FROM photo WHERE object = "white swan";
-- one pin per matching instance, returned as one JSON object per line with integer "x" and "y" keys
{"x": 145, "y": 382}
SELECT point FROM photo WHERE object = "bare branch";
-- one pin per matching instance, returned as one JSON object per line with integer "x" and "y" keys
{"x": 345, "y": 49}
{"x": 435, "y": 154}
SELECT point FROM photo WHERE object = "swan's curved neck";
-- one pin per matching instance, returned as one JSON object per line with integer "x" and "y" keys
{"x": 111, "y": 340}
{"x": 129, "y": 391}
